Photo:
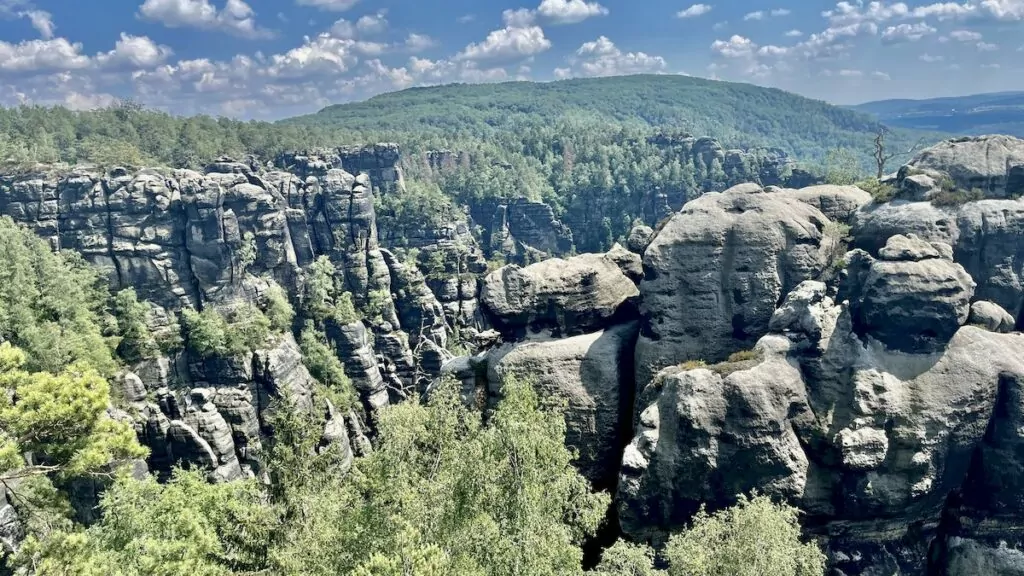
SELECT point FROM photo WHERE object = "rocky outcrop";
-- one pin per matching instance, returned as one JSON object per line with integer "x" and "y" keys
{"x": 573, "y": 296}
{"x": 522, "y": 230}
{"x": 592, "y": 374}
{"x": 913, "y": 298}
{"x": 984, "y": 234}
{"x": 870, "y": 441}
{"x": 718, "y": 269}
{"x": 992, "y": 164}
{"x": 378, "y": 161}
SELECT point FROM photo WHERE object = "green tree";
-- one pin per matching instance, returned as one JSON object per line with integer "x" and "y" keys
{"x": 52, "y": 305}
{"x": 60, "y": 419}
{"x": 137, "y": 341}
{"x": 443, "y": 489}
{"x": 323, "y": 364}
{"x": 627, "y": 559}
{"x": 842, "y": 167}
{"x": 756, "y": 537}
{"x": 186, "y": 527}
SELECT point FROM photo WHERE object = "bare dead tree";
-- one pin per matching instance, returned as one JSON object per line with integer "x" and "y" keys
{"x": 881, "y": 158}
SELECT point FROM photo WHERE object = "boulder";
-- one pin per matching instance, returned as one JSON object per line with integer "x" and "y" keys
{"x": 993, "y": 164}
{"x": 992, "y": 317}
{"x": 912, "y": 298}
{"x": 837, "y": 203}
{"x": 592, "y": 373}
{"x": 639, "y": 239}
{"x": 573, "y": 296}
{"x": 718, "y": 269}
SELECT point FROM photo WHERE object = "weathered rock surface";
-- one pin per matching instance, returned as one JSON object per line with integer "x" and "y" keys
{"x": 993, "y": 164}
{"x": 870, "y": 441}
{"x": 717, "y": 270}
{"x": 992, "y": 317}
{"x": 592, "y": 373}
{"x": 912, "y": 298}
{"x": 572, "y": 296}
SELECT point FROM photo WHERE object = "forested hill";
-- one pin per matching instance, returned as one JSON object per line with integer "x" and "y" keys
{"x": 978, "y": 114}
{"x": 739, "y": 115}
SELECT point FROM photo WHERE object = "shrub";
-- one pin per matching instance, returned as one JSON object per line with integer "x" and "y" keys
{"x": 756, "y": 537}
{"x": 377, "y": 304}
{"x": 238, "y": 331}
{"x": 247, "y": 252}
{"x": 627, "y": 559}
{"x": 743, "y": 356}
{"x": 323, "y": 364}
{"x": 345, "y": 309}
{"x": 956, "y": 197}
{"x": 277, "y": 308}
{"x": 693, "y": 364}
{"x": 880, "y": 191}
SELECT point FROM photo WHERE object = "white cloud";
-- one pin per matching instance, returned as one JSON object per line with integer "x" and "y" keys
{"x": 719, "y": 26}
{"x": 735, "y": 47}
{"x": 134, "y": 52}
{"x": 56, "y": 54}
{"x": 328, "y": 5}
{"x": 906, "y": 33}
{"x": 41, "y": 20}
{"x": 881, "y": 75}
{"x": 465, "y": 18}
{"x": 520, "y": 18}
{"x": 762, "y": 14}
{"x": 343, "y": 29}
{"x": 570, "y": 11}
{"x": 930, "y": 58}
{"x": 992, "y": 66}
{"x": 372, "y": 24}
{"x": 419, "y": 42}
{"x": 965, "y": 36}
{"x": 322, "y": 55}
{"x": 511, "y": 43}
{"x": 794, "y": 34}
{"x": 986, "y": 47}
{"x": 78, "y": 101}
{"x": 236, "y": 17}
{"x": 602, "y": 57}
{"x": 694, "y": 11}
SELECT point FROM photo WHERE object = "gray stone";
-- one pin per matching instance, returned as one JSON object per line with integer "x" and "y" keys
{"x": 591, "y": 373}
{"x": 573, "y": 296}
{"x": 992, "y": 317}
{"x": 718, "y": 269}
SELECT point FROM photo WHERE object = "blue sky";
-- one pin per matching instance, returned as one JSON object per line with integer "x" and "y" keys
{"x": 275, "y": 58}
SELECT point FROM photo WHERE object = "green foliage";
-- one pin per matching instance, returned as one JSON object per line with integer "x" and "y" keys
{"x": 186, "y": 527}
{"x": 277, "y": 308}
{"x": 51, "y": 305}
{"x": 754, "y": 538}
{"x": 627, "y": 559}
{"x": 422, "y": 206}
{"x": 444, "y": 490}
{"x": 236, "y": 331}
{"x": 61, "y": 418}
{"x": 842, "y": 167}
{"x": 743, "y": 356}
{"x": 137, "y": 341}
{"x": 323, "y": 299}
{"x": 378, "y": 303}
{"x": 956, "y": 197}
{"x": 322, "y": 362}
{"x": 880, "y": 192}
{"x": 247, "y": 252}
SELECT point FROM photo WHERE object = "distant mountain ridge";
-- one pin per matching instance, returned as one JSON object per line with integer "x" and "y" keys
{"x": 740, "y": 115}
{"x": 976, "y": 114}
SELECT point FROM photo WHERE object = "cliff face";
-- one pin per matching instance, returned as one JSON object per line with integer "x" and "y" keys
{"x": 740, "y": 346}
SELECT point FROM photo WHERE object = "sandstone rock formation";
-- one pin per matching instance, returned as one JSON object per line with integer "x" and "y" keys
{"x": 573, "y": 296}
{"x": 718, "y": 269}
